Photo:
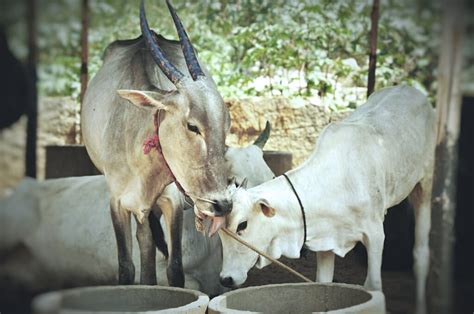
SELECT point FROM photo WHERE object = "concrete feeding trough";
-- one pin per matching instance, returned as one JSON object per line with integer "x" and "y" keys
{"x": 300, "y": 298}
{"x": 117, "y": 299}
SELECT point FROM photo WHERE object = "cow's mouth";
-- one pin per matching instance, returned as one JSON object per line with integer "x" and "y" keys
{"x": 217, "y": 221}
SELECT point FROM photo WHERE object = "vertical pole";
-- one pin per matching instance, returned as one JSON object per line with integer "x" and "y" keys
{"x": 374, "y": 18}
{"x": 84, "y": 58}
{"x": 448, "y": 107}
{"x": 32, "y": 110}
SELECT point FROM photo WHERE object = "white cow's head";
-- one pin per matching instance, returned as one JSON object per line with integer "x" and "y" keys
{"x": 251, "y": 218}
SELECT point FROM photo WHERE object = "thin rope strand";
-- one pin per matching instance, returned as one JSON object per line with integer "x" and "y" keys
{"x": 202, "y": 199}
{"x": 291, "y": 270}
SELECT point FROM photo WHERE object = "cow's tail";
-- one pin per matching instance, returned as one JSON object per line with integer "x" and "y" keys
{"x": 158, "y": 234}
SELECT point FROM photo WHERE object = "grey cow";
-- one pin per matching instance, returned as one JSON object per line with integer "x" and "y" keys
{"x": 178, "y": 111}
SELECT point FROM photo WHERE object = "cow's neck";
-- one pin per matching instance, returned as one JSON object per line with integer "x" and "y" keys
{"x": 326, "y": 230}
{"x": 330, "y": 225}
{"x": 153, "y": 143}
{"x": 287, "y": 220}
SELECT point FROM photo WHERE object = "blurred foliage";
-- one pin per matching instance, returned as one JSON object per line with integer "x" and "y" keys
{"x": 314, "y": 48}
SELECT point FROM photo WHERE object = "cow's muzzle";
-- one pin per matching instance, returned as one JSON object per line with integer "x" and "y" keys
{"x": 222, "y": 207}
{"x": 227, "y": 282}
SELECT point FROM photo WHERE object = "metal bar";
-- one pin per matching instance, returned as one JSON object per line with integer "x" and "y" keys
{"x": 32, "y": 109}
{"x": 374, "y": 17}
{"x": 84, "y": 76}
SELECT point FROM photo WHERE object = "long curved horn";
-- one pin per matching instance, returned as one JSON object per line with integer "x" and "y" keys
{"x": 263, "y": 137}
{"x": 188, "y": 51}
{"x": 171, "y": 72}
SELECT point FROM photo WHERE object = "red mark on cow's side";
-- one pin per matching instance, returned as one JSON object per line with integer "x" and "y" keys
{"x": 150, "y": 143}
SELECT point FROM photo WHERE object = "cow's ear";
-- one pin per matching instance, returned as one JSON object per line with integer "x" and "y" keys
{"x": 266, "y": 209}
{"x": 147, "y": 99}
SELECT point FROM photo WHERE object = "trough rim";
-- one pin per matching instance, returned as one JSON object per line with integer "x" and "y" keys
{"x": 51, "y": 301}
{"x": 377, "y": 298}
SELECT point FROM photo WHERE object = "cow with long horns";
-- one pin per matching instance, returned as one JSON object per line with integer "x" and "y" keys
{"x": 175, "y": 132}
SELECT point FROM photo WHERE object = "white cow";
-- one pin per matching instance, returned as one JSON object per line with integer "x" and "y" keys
{"x": 58, "y": 233}
{"x": 361, "y": 166}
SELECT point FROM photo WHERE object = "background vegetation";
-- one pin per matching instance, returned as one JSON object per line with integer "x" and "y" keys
{"x": 308, "y": 48}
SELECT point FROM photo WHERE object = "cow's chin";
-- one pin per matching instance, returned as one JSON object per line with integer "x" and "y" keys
{"x": 239, "y": 283}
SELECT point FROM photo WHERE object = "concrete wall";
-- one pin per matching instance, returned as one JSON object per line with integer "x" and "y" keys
{"x": 295, "y": 123}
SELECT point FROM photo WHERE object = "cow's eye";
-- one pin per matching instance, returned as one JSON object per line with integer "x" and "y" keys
{"x": 242, "y": 226}
{"x": 193, "y": 128}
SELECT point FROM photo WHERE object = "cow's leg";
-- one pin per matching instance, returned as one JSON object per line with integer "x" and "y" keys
{"x": 420, "y": 198}
{"x": 123, "y": 235}
{"x": 174, "y": 226}
{"x": 147, "y": 253}
{"x": 373, "y": 241}
{"x": 325, "y": 266}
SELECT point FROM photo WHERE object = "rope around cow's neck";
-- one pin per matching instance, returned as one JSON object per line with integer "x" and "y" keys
{"x": 154, "y": 142}
{"x": 301, "y": 207}
{"x": 291, "y": 270}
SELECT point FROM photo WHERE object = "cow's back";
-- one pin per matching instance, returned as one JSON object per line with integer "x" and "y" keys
{"x": 388, "y": 140}
{"x": 393, "y": 109}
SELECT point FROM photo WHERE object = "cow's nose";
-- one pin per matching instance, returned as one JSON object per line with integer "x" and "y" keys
{"x": 222, "y": 207}
{"x": 227, "y": 282}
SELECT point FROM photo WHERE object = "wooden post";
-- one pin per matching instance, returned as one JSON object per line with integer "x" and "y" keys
{"x": 84, "y": 58}
{"x": 32, "y": 110}
{"x": 448, "y": 107}
{"x": 374, "y": 17}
